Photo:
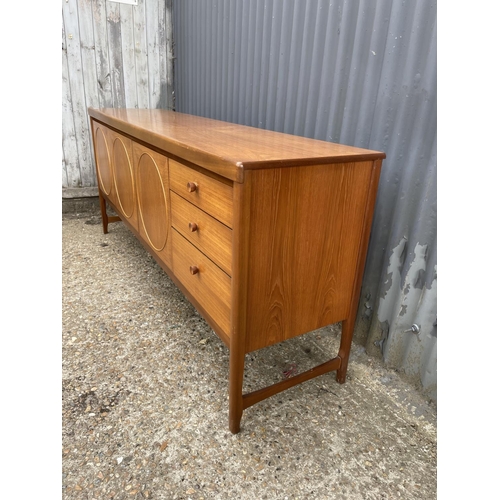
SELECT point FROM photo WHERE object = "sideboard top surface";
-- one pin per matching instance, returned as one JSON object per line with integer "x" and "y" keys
{"x": 226, "y": 148}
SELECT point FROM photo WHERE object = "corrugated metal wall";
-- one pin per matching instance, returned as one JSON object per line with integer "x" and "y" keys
{"x": 113, "y": 55}
{"x": 355, "y": 72}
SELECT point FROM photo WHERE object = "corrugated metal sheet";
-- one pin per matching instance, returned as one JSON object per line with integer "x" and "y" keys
{"x": 355, "y": 72}
{"x": 113, "y": 55}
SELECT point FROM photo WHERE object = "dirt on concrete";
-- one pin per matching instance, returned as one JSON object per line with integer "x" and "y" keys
{"x": 145, "y": 397}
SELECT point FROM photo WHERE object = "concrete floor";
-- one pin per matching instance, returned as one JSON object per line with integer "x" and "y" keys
{"x": 145, "y": 388}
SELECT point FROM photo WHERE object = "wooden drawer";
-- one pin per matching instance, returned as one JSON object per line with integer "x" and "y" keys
{"x": 211, "y": 195}
{"x": 203, "y": 231}
{"x": 210, "y": 286}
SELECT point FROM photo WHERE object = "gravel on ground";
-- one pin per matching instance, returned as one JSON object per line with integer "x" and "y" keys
{"x": 145, "y": 398}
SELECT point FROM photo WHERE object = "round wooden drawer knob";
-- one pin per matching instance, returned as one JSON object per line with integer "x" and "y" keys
{"x": 193, "y": 227}
{"x": 194, "y": 270}
{"x": 192, "y": 187}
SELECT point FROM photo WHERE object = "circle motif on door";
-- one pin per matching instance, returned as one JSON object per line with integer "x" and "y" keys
{"x": 124, "y": 180}
{"x": 103, "y": 161}
{"x": 152, "y": 202}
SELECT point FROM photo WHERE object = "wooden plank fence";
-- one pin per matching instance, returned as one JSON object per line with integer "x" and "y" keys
{"x": 113, "y": 55}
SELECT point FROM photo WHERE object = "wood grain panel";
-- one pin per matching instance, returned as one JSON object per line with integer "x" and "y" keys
{"x": 208, "y": 235}
{"x": 151, "y": 172}
{"x": 103, "y": 158}
{"x": 127, "y": 34}
{"x": 124, "y": 177}
{"x": 211, "y": 195}
{"x": 305, "y": 228}
{"x": 210, "y": 285}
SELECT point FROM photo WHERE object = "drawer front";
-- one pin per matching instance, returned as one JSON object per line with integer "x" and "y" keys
{"x": 207, "y": 193}
{"x": 210, "y": 286}
{"x": 203, "y": 231}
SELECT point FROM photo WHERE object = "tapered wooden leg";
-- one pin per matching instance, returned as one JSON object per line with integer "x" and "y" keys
{"x": 104, "y": 214}
{"x": 236, "y": 369}
{"x": 106, "y": 219}
{"x": 239, "y": 300}
{"x": 348, "y": 324}
{"x": 345, "y": 347}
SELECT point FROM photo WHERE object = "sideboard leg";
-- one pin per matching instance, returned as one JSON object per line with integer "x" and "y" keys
{"x": 236, "y": 369}
{"x": 104, "y": 214}
{"x": 345, "y": 347}
{"x": 348, "y": 324}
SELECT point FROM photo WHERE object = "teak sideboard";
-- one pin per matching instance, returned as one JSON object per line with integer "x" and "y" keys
{"x": 265, "y": 233}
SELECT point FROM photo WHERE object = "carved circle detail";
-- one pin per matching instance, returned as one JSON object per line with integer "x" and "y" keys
{"x": 103, "y": 161}
{"x": 152, "y": 202}
{"x": 124, "y": 180}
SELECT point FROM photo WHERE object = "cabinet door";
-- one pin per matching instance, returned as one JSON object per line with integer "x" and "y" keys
{"x": 151, "y": 176}
{"x": 123, "y": 177}
{"x": 102, "y": 145}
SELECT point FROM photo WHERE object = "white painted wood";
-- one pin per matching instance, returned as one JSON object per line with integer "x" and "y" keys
{"x": 114, "y": 55}
{"x": 162, "y": 55}
{"x": 129, "y": 2}
{"x": 169, "y": 45}
{"x": 103, "y": 70}
{"x": 64, "y": 178}
{"x": 77, "y": 87}
{"x": 141, "y": 55}
{"x": 152, "y": 21}
{"x": 69, "y": 156}
{"x": 87, "y": 49}
{"x": 128, "y": 55}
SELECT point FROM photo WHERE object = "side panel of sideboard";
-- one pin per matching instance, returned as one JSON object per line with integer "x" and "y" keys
{"x": 306, "y": 227}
